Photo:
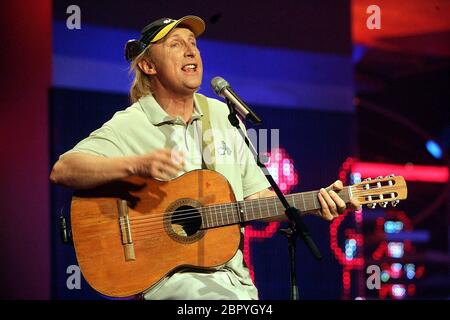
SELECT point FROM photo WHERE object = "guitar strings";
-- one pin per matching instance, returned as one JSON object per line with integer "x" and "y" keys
{"x": 149, "y": 226}
{"x": 218, "y": 209}
{"x": 244, "y": 203}
{"x": 147, "y": 221}
{"x": 143, "y": 225}
{"x": 236, "y": 205}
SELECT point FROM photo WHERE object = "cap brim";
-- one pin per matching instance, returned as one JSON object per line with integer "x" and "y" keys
{"x": 193, "y": 23}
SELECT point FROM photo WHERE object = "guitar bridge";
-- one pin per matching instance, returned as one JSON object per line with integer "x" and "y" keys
{"x": 125, "y": 230}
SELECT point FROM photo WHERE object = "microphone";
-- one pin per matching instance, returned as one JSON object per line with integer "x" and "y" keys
{"x": 222, "y": 88}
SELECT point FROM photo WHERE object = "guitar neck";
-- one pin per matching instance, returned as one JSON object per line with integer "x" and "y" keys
{"x": 263, "y": 208}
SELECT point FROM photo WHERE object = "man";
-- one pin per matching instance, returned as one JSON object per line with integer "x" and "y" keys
{"x": 160, "y": 136}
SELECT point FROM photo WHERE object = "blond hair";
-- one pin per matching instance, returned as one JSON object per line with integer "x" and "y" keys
{"x": 141, "y": 85}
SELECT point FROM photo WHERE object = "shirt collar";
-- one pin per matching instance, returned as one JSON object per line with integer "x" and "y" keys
{"x": 158, "y": 116}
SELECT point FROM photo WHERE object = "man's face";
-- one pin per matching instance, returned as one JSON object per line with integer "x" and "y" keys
{"x": 177, "y": 62}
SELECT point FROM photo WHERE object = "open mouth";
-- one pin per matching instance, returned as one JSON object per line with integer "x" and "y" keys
{"x": 192, "y": 67}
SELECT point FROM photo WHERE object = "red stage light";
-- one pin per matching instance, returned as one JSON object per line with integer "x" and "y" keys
{"x": 410, "y": 172}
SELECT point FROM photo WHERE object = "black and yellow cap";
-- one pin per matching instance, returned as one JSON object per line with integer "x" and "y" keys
{"x": 158, "y": 29}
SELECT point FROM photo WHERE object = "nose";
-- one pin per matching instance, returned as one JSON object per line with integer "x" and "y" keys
{"x": 190, "y": 50}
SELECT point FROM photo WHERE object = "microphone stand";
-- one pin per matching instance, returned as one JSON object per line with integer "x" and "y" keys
{"x": 296, "y": 226}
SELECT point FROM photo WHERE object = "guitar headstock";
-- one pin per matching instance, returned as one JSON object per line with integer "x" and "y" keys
{"x": 381, "y": 190}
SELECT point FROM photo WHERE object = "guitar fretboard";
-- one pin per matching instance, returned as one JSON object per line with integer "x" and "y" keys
{"x": 248, "y": 210}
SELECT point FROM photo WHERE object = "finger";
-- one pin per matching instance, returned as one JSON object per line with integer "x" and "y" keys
{"x": 167, "y": 159}
{"x": 161, "y": 174}
{"x": 167, "y": 169}
{"x": 354, "y": 203}
{"x": 326, "y": 214}
{"x": 163, "y": 153}
{"x": 175, "y": 166}
{"x": 331, "y": 205}
{"x": 170, "y": 171}
{"x": 170, "y": 153}
{"x": 340, "y": 204}
{"x": 337, "y": 185}
{"x": 177, "y": 156}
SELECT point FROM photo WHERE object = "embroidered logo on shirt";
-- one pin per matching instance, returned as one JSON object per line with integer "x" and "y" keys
{"x": 223, "y": 149}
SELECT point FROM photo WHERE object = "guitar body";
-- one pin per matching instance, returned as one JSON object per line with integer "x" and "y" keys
{"x": 154, "y": 246}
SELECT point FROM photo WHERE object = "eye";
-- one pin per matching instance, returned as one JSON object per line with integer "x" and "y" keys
{"x": 175, "y": 44}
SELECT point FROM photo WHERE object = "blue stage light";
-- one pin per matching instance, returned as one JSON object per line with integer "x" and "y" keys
{"x": 434, "y": 149}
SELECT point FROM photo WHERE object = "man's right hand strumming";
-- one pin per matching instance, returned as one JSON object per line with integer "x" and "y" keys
{"x": 163, "y": 164}
{"x": 79, "y": 170}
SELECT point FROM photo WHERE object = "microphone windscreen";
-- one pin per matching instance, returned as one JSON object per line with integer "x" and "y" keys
{"x": 218, "y": 84}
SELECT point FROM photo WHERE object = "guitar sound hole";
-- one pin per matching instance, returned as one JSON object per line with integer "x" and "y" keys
{"x": 186, "y": 221}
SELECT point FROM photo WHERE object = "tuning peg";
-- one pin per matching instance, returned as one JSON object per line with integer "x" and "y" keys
{"x": 367, "y": 186}
{"x": 390, "y": 176}
{"x": 379, "y": 177}
{"x": 371, "y": 205}
{"x": 383, "y": 204}
{"x": 394, "y": 202}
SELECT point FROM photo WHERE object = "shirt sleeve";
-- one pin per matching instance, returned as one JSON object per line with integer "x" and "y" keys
{"x": 101, "y": 142}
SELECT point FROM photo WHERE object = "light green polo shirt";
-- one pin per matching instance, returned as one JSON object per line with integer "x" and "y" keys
{"x": 145, "y": 127}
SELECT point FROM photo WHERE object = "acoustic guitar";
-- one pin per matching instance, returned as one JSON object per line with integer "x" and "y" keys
{"x": 131, "y": 233}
